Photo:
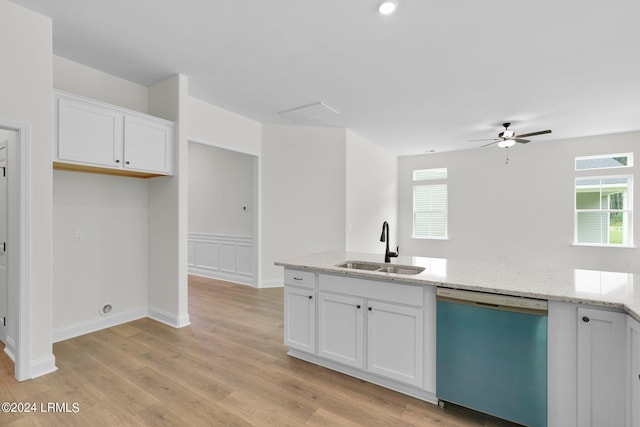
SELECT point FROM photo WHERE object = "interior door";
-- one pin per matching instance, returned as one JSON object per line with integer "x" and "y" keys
{"x": 4, "y": 285}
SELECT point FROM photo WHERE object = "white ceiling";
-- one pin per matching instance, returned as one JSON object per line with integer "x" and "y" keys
{"x": 430, "y": 77}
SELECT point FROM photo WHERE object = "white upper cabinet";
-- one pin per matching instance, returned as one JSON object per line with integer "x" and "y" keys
{"x": 89, "y": 133}
{"x": 95, "y": 137}
{"x": 148, "y": 145}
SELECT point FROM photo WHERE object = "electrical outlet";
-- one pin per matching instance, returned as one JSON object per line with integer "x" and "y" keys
{"x": 78, "y": 236}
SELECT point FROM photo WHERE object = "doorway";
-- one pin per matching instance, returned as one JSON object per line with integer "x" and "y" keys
{"x": 4, "y": 267}
{"x": 14, "y": 248}
{"x": 223, "y": 214}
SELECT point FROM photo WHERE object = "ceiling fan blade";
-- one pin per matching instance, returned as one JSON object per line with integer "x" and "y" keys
{"x": 491, "y": 143}
{"x": 542, "y": 132}
{"x": 521, "y": 141}
{"x": 486, "y": 139}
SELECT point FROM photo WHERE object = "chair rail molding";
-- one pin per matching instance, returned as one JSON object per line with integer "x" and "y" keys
{"x": 222, "y": 257}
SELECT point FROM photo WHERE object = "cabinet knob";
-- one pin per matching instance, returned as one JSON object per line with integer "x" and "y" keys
{"x": 358, "y": 306}
{"x": 127, "y": 162}
{"x": 117, "y": 161}
{"x": 585, "y": 319}
{"x": 310, "y": 297}
{"x": 370, "y": 308}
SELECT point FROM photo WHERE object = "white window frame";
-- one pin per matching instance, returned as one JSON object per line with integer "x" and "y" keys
{"x": 427, "y": 183}
{"x": 629, "y": 164}
{"x": 628, "y": 209}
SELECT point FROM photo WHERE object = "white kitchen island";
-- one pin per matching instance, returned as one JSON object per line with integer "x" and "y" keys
{"x": 381, "y": 327}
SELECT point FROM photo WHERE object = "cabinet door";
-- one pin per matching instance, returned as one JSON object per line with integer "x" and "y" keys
{"x": 395, "y": 342}
{"x": 89, "y": 133}
{"x": 633, "y": 373}
{"x": 148, "y": 145}
{"x": 300, "y": 319}
{"x": 341, "y": 329}
{"x": 601, "y": 368}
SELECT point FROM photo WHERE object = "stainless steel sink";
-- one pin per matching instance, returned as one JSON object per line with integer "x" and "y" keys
{"x": 401, "y": 269}
{"x": 360, "y": 265}
{"x": 381, "y": 267}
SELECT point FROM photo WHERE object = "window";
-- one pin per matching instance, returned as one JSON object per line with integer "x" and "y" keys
{"x": 603, "y": 205}
{"x": 609, "y": 161}
{"x": 430, "y": 203}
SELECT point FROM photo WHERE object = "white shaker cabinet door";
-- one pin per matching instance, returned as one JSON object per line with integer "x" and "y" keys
{"x": 341, "y": 329}
{"x": 89, "y": 133}
{"x": 148, "y": 145}
{"x": 300, "y": 319}
{"x": 601, "y": 368}
{"x": 633, "y": 372}
{"x": 395, "y": 342}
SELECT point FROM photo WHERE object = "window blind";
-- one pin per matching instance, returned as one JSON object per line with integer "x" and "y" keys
{"x": 430, "y": 203}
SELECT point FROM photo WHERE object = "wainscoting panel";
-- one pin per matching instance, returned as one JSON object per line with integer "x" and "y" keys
{"x": 245, "y": 259}
{"x": 221, "y": 257}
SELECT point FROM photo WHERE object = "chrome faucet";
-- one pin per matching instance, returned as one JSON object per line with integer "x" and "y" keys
{"x": 384, "y": 237}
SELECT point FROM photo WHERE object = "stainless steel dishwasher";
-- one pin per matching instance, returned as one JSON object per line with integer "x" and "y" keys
{"x": 491, "y": 354}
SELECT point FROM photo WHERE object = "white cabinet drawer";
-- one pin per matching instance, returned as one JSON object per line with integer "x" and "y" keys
{"x": 383, "y": 291}
{"x": 303, "y": 279}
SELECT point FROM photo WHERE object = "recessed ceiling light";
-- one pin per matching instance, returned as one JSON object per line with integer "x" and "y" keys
{"x": 388, "y": 7}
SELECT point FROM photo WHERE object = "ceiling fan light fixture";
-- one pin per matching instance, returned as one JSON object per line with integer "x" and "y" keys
{"x": 387, "y": 7}
{"x": 506, "y": 143}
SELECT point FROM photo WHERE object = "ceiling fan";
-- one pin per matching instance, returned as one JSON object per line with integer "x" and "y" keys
{"x": 508, "y": 137}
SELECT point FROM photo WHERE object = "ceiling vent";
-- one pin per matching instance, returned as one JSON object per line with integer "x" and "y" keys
{"x": 308, "y": 113}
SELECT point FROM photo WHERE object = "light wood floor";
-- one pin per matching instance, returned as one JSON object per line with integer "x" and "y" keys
{"x": 228, "y": 368}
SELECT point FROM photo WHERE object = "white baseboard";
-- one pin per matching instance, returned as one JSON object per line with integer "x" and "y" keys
{"x": 43, "y": 366}
{"x": 115, "y": 319}
{"x": 221, "y": 275}
{"x": 167, "y": 318}
{"x": 37, "y": 368}
{"x": 10, "y": 349}
{"x": 271, "y": 284}
{"x": 103, "y": 322}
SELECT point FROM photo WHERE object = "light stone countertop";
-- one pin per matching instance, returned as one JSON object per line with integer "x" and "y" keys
{"x": 598, "y": 288}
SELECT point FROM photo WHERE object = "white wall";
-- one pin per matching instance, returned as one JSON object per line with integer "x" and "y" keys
{"x": 371, "y": 195}
{"x": 168, "y": 200}
{"x": 107, "y": 265}
{"x": 79, "y": 79}
{"x": 521, "y": 212}
{"x": 221, "y": 128}
{"x": 241, "y": 137}
{"x": 110, "y": 264}
{"x": 25, "y": 43}
{"x": 303, "y": 175}
{"x": 220, "y": 184}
